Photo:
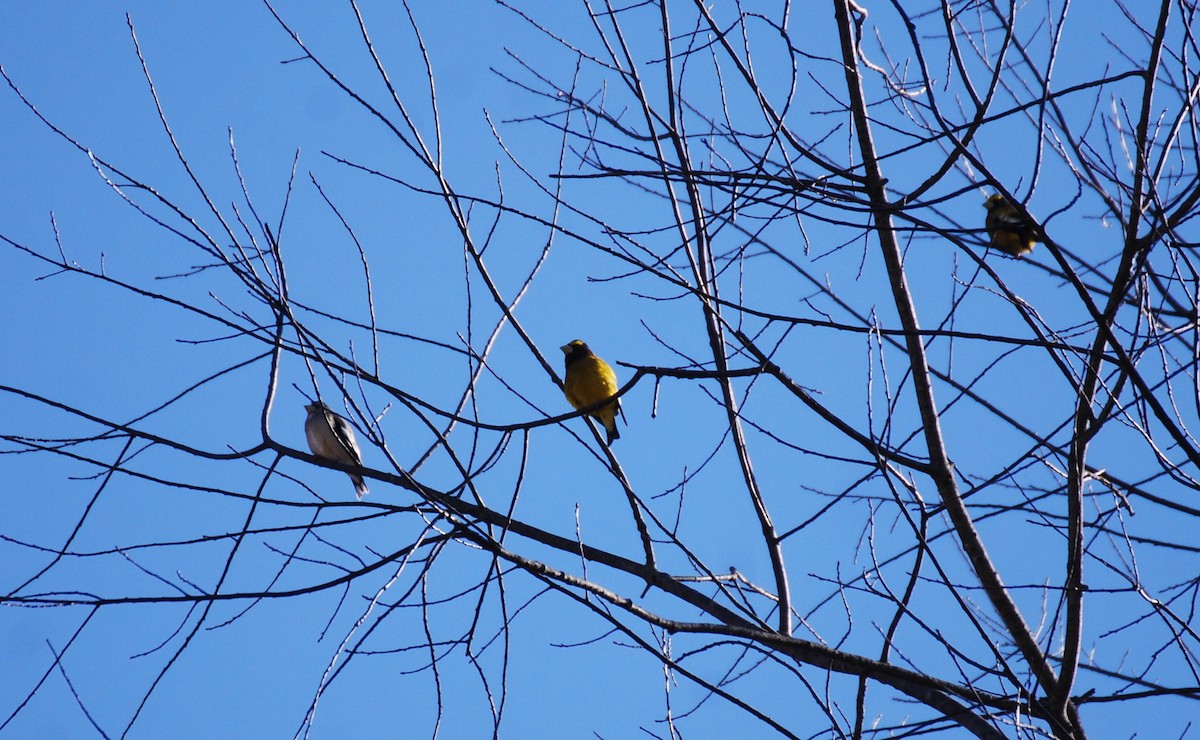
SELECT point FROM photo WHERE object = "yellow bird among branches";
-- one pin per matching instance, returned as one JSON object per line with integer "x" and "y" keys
{"x": 589, "y": 381}
{"x": 1010, "y": 232}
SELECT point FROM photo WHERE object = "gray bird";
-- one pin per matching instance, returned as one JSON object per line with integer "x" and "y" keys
{"x": 331, "y": 437}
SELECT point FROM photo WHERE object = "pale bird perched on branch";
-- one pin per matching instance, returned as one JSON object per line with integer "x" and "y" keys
{"x": 1010, "y": 232}
{"x": 590, "y": 380}
{"x": 331, "y": 437}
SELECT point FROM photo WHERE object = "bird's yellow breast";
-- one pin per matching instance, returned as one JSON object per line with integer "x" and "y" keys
{"x": 589, "y": 380}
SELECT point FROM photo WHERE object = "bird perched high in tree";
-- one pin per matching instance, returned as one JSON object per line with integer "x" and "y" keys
{"x": 331, "y": 437}
{"x": 1010, "y": 232}
{"x": 589, "y": 381}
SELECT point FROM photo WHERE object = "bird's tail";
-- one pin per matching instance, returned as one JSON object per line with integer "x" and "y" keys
{"x": 613, "y": 434}
{"x": 360, "y": 486}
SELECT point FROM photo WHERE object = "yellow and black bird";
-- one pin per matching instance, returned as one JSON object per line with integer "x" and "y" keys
{"x": 331, "y": 437}
{"x": 1010, "y": 232}
{"x": 590, "y": 380}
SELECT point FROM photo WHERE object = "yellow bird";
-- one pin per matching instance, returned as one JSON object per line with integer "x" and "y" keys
{"x": 1010, "y": 232}
{"x": 331, "y": 437}
{"x": 590, "y": 380}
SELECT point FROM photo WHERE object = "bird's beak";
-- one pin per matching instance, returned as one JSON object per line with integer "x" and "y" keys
{"x": 566, "y": 348}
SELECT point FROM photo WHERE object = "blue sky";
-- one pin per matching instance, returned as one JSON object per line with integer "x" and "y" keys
{"x": 219, "y": 68}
